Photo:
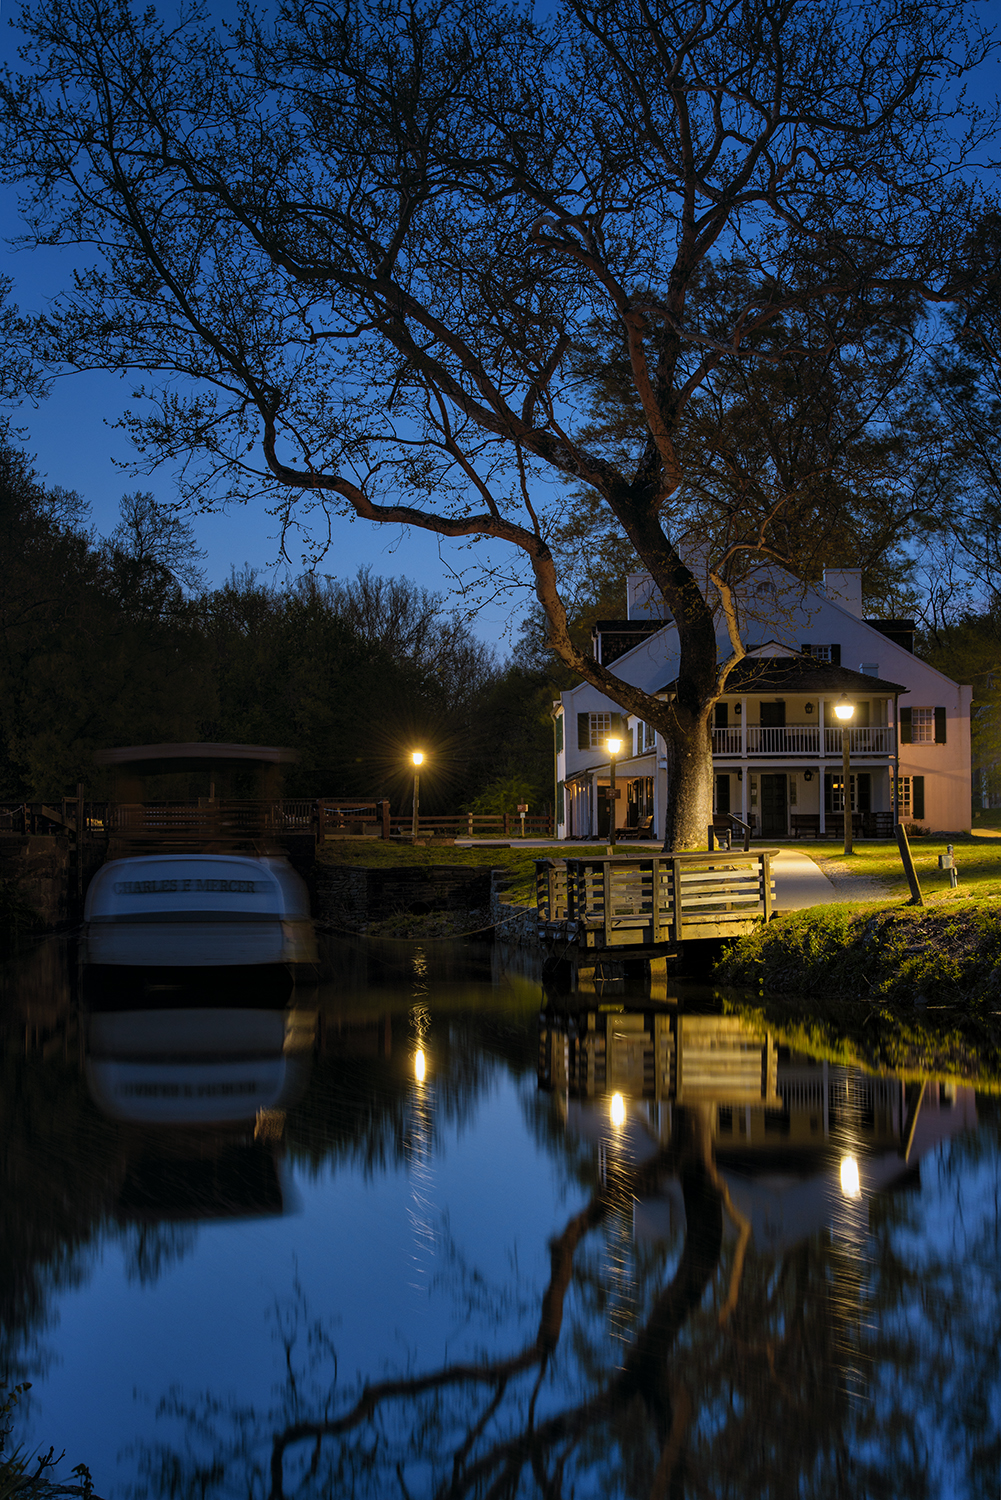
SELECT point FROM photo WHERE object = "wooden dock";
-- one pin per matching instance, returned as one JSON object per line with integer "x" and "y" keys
{"x": 645, "y": 905}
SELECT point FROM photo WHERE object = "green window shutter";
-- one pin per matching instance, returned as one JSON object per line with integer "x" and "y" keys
{"x": 905, "y": 726}
{"x": 617, "y": 726}
{"x": 835, "y": 656}
{"x": 560, "y": 801}
{"x": 940, "y": 726}
{"x": 863, "y": 792}
{"x": 917, "y": 797}
{"x": 722, "y": 722}
{"x": 559, "y": 734}
{"x": 583, "y": 731}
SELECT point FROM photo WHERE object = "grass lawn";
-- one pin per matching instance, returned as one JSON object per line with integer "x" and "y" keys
{"x": 978, "y": 861}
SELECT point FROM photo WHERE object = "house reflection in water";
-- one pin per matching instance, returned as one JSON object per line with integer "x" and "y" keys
{"x": 199, "y": 1075}
{"x": 793, "y": 1137}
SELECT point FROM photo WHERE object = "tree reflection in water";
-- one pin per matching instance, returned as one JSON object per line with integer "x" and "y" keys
{"x": 852, "y": 1356}
{"x": 809, "y": 1372}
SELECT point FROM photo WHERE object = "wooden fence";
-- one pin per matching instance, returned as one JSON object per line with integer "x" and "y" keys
{"x": 637, "y": 902}
{"x": 325, "y": 817}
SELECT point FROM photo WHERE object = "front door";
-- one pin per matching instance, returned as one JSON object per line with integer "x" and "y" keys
{"x": 774, "y": 820}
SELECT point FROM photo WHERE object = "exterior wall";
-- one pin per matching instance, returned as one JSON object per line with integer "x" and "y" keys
{"x": 788, "y": 615}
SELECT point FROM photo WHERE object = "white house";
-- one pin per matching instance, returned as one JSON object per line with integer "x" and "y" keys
{"x": 777, "y": 746}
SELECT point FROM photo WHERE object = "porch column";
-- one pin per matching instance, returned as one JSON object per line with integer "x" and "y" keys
{"x": 743, "y": 730}
{"x": 822, "y": 826}
{"x": 744, "y": 791}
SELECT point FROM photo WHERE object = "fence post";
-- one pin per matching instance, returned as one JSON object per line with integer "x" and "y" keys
{"x": 384, "y": 815}
{"x": 507, "y": 824}
{"x": 469, "y": 825}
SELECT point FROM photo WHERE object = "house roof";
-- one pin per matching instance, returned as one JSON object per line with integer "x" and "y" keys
{"x": 800, "y": 674}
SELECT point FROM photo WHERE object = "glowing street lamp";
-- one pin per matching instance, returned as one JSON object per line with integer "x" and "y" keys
{"x": 844, "y": 710}
{"x": 418, "y": 759}
{"x": 613, "y": 746}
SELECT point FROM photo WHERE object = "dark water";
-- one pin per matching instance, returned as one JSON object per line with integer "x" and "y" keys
{"x": 635, "y": 1249}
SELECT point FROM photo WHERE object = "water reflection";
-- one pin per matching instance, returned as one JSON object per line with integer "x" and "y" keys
{"x": 736, "y": 1270}
{"x": 203, "y": 1069}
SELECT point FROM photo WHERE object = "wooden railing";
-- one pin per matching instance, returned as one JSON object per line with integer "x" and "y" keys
{"x": 800, "y": 739}
{"x": 605, "y": 903}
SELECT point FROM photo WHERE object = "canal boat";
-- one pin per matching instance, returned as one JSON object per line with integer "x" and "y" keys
{"x": 197, "y": 882}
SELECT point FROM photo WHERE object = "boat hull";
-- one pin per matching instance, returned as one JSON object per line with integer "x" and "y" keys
{"x": 198, "y": 911}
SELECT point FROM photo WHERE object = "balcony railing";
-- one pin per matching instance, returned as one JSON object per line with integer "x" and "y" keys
{"x": 801, "y": 739}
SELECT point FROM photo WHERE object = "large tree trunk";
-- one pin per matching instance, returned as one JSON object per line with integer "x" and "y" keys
{"x": 689, "y": 782}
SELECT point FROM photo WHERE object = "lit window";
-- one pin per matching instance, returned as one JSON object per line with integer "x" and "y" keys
{"x": 903, "y": 797}
{"x": 923, "y": 726}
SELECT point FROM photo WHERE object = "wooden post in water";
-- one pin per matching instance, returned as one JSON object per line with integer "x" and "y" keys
{"x": 908, "y": 861}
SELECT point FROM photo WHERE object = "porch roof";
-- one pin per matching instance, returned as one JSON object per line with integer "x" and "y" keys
{"x": 799, "y": 674}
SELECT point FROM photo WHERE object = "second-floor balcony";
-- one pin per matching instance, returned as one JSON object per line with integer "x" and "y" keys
{"x": 800, "y": 739}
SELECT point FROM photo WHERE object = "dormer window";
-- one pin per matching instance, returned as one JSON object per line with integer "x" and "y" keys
{"x": 830, "y": 653}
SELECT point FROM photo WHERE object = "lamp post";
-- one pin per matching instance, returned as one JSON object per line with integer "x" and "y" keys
{"x": 418, "y": 759}
{"x": 613, "y": 747}
{"x": 844, "y": 710}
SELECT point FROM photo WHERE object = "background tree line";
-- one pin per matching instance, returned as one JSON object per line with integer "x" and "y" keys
{"x": 118, "y": 641}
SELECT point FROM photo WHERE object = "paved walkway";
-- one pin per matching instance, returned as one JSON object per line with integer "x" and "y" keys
{"x": 799, "y": 882}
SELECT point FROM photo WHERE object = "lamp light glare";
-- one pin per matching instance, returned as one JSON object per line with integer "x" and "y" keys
{"x": 849, "y": 1177}
{"x": 617, "y": 1111}
{"x": 418, "y": 757}
{"x": 614, "y": 746}
{"x": 420, "y": 1065}
{"x": 844, "y": 709}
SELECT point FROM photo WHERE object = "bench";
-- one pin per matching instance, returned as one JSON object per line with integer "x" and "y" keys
{"x": 805, "y": 823}
{"x": 643, "y": 830}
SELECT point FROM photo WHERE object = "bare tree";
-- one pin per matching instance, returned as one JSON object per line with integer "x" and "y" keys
{"x": 155, "y": 535}
{"x": 374, "y": 259}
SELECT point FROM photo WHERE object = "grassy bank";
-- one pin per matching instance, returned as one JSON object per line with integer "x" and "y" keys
{"x": 949, "y": 953}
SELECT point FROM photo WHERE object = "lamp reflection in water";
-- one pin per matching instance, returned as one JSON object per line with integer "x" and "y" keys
{"x": 850, "y": 1185}
{"x": 421, "y": 1209}
{"x": 623, "y": 1297}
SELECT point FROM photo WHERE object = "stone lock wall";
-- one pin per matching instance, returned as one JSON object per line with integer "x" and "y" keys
{"x": 350, "y": 897}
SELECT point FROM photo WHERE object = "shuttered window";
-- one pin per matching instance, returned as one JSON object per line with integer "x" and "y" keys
{"x": 594, "y": 728}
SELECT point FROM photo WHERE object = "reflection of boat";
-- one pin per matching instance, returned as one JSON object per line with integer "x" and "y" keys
{"x": 201, "y": 1089}
{"x": 210, "y": 1066}
{"x": 197, "y": 883}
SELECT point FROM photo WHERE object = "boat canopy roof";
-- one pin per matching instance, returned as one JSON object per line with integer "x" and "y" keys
{"x": 153, "y": 759}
